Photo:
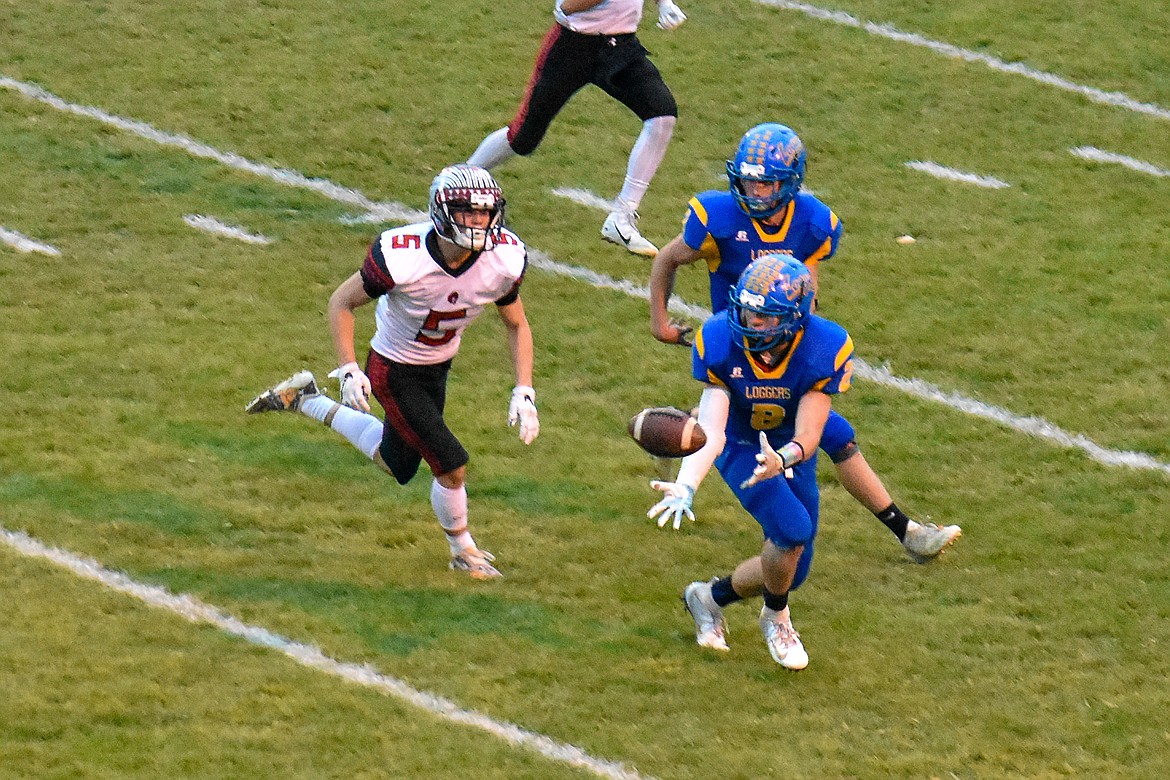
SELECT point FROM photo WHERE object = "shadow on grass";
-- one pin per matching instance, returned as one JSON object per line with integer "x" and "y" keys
{"x": 91, "y": 501}
{"x": 391, "y": 620}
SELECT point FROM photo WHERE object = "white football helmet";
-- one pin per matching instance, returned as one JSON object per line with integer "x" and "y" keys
{"x": 465, "y": 187}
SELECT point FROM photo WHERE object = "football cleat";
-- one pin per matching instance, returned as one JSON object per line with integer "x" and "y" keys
{"x": 925, "y": 541}
{"x": 477, "y": 563}
{"x": 710, "y": 628}
{"x": 287, "y": 396}
{"x": 621, "y": 228}
{"x": 782, "y": 640}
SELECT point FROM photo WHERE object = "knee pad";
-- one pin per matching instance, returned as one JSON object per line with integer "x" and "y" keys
{"x": 844, "y": 453}
{"x": 837, "y": 438}
{"x": 661, "y": 127}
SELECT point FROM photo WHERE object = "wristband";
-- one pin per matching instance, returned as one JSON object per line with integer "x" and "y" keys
{"x": 788, "y": 454}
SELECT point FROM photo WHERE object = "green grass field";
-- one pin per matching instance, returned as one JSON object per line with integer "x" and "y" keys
{"x": 1037, "y": 647}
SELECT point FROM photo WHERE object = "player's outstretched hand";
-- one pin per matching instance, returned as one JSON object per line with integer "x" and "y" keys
{"x": 771, "y": 464}
{"x": 670, "y": 16}
{"x": 522, "y": 411}
{"x": 355, "y": 386}
{"x": 675, "y": 505}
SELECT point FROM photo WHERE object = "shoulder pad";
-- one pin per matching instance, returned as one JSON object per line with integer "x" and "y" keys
{"x": 719, "y": 209}
{"x": 716, "y": 339}
{"x": 512, "y": 253}
{"x": 822, "y": 222}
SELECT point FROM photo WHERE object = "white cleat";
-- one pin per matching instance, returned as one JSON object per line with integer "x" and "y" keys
{"x": 710, "y": 628}
{"x": 783, "y": 642}
{"x": 925, "y": 541}
{"x": 621, "y": 228}
{"x": 287, "y": 396}
{"x": 477, "y": 563}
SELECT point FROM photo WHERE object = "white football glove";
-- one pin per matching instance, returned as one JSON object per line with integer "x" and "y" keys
{"x": 676, "y": 504}
{"x": 773, "y": 462}
{"x": 670, "y": 16}
{"x": 355, "y": 386}
{"x": 522, "y": 410}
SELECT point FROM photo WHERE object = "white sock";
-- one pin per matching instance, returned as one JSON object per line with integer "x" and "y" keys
{"x": 450, "y": 507}
{"x": 363, "y": 431}
{"x": 493, "y": 150}
{"x": 645, "y": 158}
{"x": 317, "y": 407}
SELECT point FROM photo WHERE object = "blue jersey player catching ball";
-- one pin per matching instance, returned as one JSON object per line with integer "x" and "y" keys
{"x": 764, "y": 213}
{"x": 770, "y": 368}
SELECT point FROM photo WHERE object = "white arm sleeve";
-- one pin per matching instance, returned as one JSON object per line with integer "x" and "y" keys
{"x": 714, "y": 406}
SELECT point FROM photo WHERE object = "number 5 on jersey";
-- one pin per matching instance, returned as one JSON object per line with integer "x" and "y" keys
{"x": 434, "y": 319}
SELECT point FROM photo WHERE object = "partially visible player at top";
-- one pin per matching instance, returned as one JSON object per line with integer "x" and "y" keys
{"x": 764, "y": 212}
{"x": 431, "y": 280}
{"x": 769, "y": 367}
{"x": 594, "y": 42}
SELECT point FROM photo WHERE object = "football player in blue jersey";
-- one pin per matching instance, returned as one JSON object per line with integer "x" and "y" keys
{"x": 762, "y": 213}
{"x": 770, "y": 368}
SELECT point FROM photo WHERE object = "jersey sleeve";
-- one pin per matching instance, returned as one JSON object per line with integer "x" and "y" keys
{"x": 510, "y": 297}
{"x": 376, "y": 279}
{"x": 695, "y": 229}
{"x": 825, "y": 233}
{"x": 704, "y": 361}
{"x": 841, "y": 378}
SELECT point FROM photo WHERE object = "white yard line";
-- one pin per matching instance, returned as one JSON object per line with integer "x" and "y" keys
{"x": 22, "y": 243}
{"x": 389, "y": 211}
{"x": 1116, "y": 99}
{"x": 215, "y": 227}
{"x": 585, "y": 198}
{"x": 192, "y": 609}
{"x": 397, "y": 212}
{"x": 1094, "y": 154}
{"x": 950, "y": 174}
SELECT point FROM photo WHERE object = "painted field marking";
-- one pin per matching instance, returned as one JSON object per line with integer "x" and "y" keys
{"x": 195, "y": 611}
{"x": 585, "y": 198}
{"x": 1116, "y": 99}
{"x": 215, "y": 227}
{"x": 1094, "y": 154}
{"x": 22, "y": 243}
{"x": 397, "y": 212}
{"x": 950, "y": 174}
{"x": 388, "y": 211}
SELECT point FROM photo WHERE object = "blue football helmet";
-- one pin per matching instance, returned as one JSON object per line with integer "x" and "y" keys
{"x": 769, "y": 153}
{"x": 466, "y": 187}
{"x": 775, "y": 286}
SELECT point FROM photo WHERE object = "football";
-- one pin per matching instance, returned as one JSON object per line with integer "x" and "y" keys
{"x": 667, "y": 432}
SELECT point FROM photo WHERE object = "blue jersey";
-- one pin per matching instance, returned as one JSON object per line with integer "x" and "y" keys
{"x": 765, "y": 398}
{"x": 728, "y": 239}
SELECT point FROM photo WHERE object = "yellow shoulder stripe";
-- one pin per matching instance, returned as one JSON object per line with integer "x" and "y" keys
{"x": 843, "y": 353}
{"x": 700, "y": 212}
{"x": 821, "y": 252}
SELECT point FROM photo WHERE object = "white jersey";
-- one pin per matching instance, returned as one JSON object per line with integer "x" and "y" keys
{"x": 423, "y": 307}
{"x": 609, "y": 17}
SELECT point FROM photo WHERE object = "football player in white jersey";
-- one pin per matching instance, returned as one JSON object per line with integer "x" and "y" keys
{"x": 430, "y": 281}
{"x": 594, "y": 42}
